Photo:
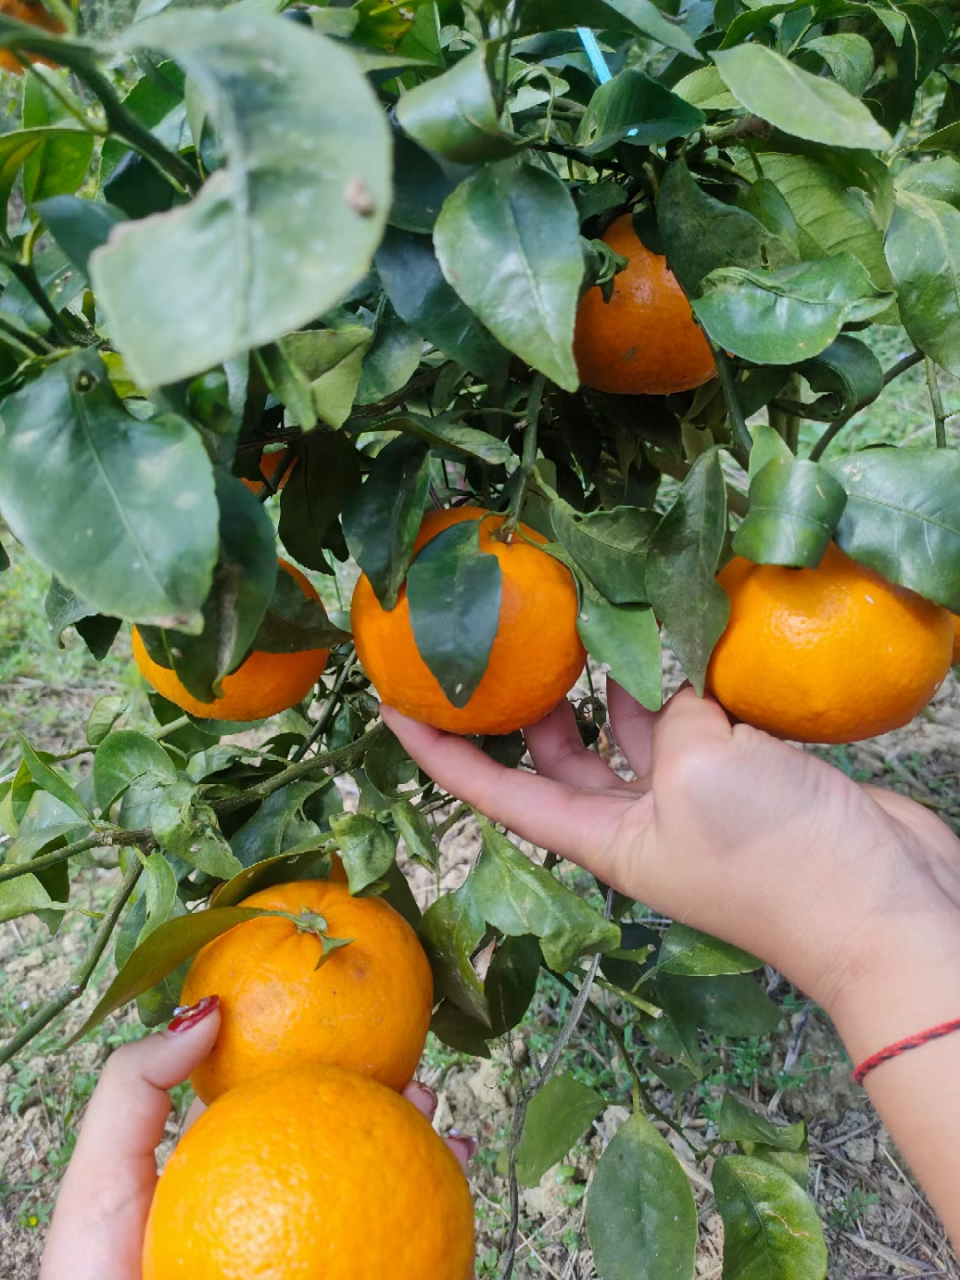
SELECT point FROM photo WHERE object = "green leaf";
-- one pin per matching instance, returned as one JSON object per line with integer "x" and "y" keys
{"x": 60, "y": 164}
{"x": 701, "y": 233}
{"x": 453, "y": 589}
{"x": 421, "y": 296}
{"x": 687, "y": 951}
{"x": 610, "y": 547}
{"x": 682, "y": 565}
{"x": 125, "y": 757}
{"x": 901, "y": 517}
{"x": 325, "y": 478}
{"x": 295, "y": 622}
{"x": 741, "y": 1123}
{"x": 65, "y": 609}
{"x": 705, "y": 89}
{"x": 727, "y": 1005}
{"x": 23, "y": 897}
{"x": 281, "y": 869}
{"x": 420, "y": 187}
{"x": 508, "y": 242}
{"x": 159, "y": 894}
{"x": 635, "y": 109}
{"x": 188, "y": 829}
{"x": 511, "y": 981}
{"x": 458, "y": 1030}
{"x": 279, "y": 826}
{"x": 49, "y": 781}
{"x": 330, "y": 362}
{"x": 847, "y": 373}
{"x": 160, "y": 953}
{"x": 445, "y": 432}
{"x": 641, "y": 1215}
{"x": 105, "y": 714}
{"x": 625, "y": 637}
{"x": 455, "y": 116}
{"x": 556, "y": 1117}
{"x": 392, "y": 359}
{"x": 518, "y": 897}
{"x": 786, "y": 316}
{"x": 136, "y": 531}
{"x": 938, "y": 180}
{"x": 388, "y": 766}
{"x": 381, "y": 520}
{"x": 768, "y": 445}
{"x": 279, "y": 235}
{"x": 366, "y": 846}
{"x": 923, "y": 251}
{"x": 79, "y": 226}
{"x": 849, "y": 57}
{"x": 795, "y": 506}
{"x": 17, "y": 148}
{"x": 450, "y": 931}
{"x": 618, "y": 15}
{"x": 797, "y": 102}
{"x": 416, "y": 833}
{"x": 770, "y": 1226}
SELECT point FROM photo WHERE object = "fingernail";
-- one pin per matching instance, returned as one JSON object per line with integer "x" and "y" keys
{"x": 463, "y": 1140}
{"x": 189, "y": 1015}
{"x": 428, "y": 1099}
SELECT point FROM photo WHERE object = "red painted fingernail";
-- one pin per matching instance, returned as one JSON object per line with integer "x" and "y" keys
{"x": 464, "y": 1140}
{"x": 189, "y": 1015}
{"x": 428, "y": 1098}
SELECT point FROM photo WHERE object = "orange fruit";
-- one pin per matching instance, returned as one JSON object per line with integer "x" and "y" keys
{"x": 31, "y": 11}
{"x": 366, "y": 1007}
{"x": 263, "y": 685}
{"x": 956, "y": 640}
{"x": 644, "y": 341}
{"x": 309, "y": 1173}
{"x": 832, "y": 654}
{"x": 281, "y": 459}
{"x": 536, "y": 654}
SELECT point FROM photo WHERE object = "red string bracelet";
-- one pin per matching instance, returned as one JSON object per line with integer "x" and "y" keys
{"x": 903, "y": 1046}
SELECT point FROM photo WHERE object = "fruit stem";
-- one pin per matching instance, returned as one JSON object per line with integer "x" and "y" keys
{"x": 330, "y": 706}
{"x": 529, "y": 460}
{"x": 939, "y": 417}
{"x": 312, "y": 922}
{"x": 742, "y": 442}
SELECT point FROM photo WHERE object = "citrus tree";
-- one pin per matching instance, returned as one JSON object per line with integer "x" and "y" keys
{"x": 359, "y": 237}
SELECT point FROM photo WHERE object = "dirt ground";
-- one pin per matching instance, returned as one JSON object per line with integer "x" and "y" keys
{"x": 878, "y": 1223}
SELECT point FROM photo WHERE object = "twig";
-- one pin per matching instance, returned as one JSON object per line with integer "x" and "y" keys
{"x": 902, "y": 366}
{"x": 326, "y": 715}
{"x": 939, "y": 417}
{"x": 742, "y": 442}
{"x": 529, "y": 459}
{"x": 441, "y": 829}
{"x": 575, "y": 153}
{"x": 78, "y": 983}
{"x": 100, "y": 839}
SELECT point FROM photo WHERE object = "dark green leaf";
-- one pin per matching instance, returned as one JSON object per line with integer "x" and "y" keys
{"x": 450, "y": 931}
{"x": 610, "y": 547}
{"x": 415, "y": 285}
{"x": 455, "y": 116}
{"x": 105, "y": 714}
{"x": 188, "y": 829}
{"x": 797, "y": 102}
{"x": 420, "y": 187}
{"x": 279, "y": 826}
{"x": 50, "y": 781}
{"x": 458, "y": 1030}
{"x": 136, "y": 530}
{"x": 923, "y": 250}
{"x": 847, "y": 373}
{"x": 511, "y": 981}
{"x": 633, "y": 108}
{"x": 453, "y": 589}
{"x": 701, "y": 234}
{"x": 518, "y": 897}
{"x": 281, "y": 869}
{"x": 79, "y": 226}
{"x": 508, "y": 242}
{"x": 381, "y": 521}
{"x": 768, "y": 205}
{"x": 786, "y": 316}
{"x": 388, "y": 766}
{"x": 625, "y": 637}
{"x": 682, "y": 565}
{"x": 65, "y": 609}
{"x": 445, "y": 432}
{"x": 740, "y": 1123}
{"x": 795, "y": 506}
{"x": 392, "y": 359}
{"x": 768, "y": 445}
{"x": 295, "y": 622}
{"x": 160, "y": 953}
{"x": 394, "y": 889}
{"x": 728, "y": 1005}
{"x": 902, "y": 519}
{"x": 325, "y": 478}
{"x": 641, "y": 1215}
{"x": 617, "y": 15}
{"x": 770, "y": 1226}
{"x": 555, "y": 1119}
{"x": 125, "y": 757}
{"x": 301, "y": 203}
{"x": 687, "y": 951}
{"x": 366, "y": 846}
{"x": 416, "y": 833}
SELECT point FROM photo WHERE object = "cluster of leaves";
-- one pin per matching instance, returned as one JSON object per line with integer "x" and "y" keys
{"x": 361, "y": 234}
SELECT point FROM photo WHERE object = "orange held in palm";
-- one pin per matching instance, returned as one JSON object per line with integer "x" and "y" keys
{"x": 309, "y": 1173}
{"x": 366, "y": 1007}
{"x": 644, "y": 341}
{"x": 31, "y": 11}
{"x": 832, "y": 654}
{"x": 263, "y": 685}
{"x": 536, "y": 654}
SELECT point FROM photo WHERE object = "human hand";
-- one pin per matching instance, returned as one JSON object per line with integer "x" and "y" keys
{"x": 101, "y": 1214}
{"x": 727, "y": 829}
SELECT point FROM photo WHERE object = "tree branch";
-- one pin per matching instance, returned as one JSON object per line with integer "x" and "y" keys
{"x": 939, "y": 417}
{"x": 742, "y": 442}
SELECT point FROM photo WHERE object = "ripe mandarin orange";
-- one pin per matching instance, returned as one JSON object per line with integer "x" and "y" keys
{"x": 308, "y": 1173}
{"x": 263, "y": 685}
{"x": 956, "y": 640}
{"x": 366, "y": 1007}
{"x": 280, "y": 460}
{"x": 644, "y": 341}
{"x": 536, "y": 654}
{"x": 832, "y": 654}
{"x": 31, "y": 11}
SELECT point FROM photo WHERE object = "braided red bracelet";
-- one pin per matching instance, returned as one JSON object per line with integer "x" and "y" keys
{"x": 902, "y": 1046}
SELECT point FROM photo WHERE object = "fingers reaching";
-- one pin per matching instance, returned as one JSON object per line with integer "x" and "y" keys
{"x": 425, "y": 1100}
{"x": 558, "y": 752}
{"x": 632, "y": 726}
